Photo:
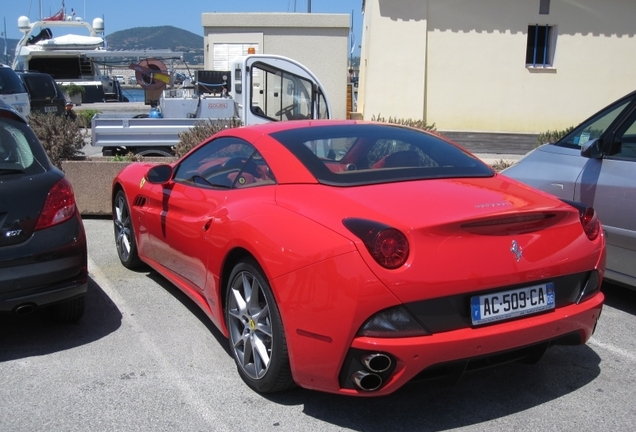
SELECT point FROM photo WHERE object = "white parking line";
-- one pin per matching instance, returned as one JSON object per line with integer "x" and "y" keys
{"x": 173, "y": 375}
{"x": 613, "y": 349}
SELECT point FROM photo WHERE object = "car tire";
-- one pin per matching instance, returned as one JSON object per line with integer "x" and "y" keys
{"x": 124, "y": 232}
{"x": 67, "y": 312}
{"x": 255, "y": 322}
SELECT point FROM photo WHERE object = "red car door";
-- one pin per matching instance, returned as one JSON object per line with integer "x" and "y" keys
{"x": 178, "y": 230}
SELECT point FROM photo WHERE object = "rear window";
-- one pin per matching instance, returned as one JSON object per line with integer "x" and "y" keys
{"x": 9, "y": 82}
{"x": 20, "y": 150}
{"x": 359, "y": 154}
{"x": 40, "y": 86}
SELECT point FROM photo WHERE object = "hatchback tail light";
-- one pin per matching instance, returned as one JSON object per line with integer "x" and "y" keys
{"x": 388, "y": 246}
{"x": 59, "y": 205}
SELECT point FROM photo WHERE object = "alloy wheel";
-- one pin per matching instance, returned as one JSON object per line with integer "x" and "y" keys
{"x": 250, "y": 325}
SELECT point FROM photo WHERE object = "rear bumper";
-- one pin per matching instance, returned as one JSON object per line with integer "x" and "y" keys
{"x": 420, "y": 357}
{"x": 48, "y": 268}
{"x": 46, "y": 296}
{"x": 323, "y": 315}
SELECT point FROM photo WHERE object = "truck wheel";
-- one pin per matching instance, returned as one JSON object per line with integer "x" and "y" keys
{"x": 160, "y": 152}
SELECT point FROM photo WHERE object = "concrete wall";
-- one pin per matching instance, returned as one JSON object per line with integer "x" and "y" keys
{"x": 461, "y": 63}
{"x": 318, "y": 41}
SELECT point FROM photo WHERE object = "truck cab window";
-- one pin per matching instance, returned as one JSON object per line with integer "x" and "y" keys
{"x": 279, "y": 95}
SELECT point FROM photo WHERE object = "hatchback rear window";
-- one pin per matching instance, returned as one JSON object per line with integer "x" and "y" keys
{"x": 9, "y": 82}
{"x": 40, "y": 87}
{"x": 20, "y": 151}
{"x": 359, "y": 154}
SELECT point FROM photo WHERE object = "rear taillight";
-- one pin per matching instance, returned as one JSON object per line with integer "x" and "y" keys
{"x": 590, "y": 222}
{"x": 59, "y": 205}
{"x": 589, "y": 219}
{"x": 387, "y": 245}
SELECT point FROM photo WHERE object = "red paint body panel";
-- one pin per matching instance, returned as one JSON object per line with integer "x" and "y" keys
{"x": 325, "y": 281}
{"x": 415, "y": 354}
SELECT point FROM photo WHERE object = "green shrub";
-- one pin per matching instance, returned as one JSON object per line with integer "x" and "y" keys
{"x": 128, "y": 157}
{"x": 62, "y": 138}
{"x": 419, "y": 124}
{"x": 84, "y": 117}
{"x": 73, "y": 89}
{"x": 553, "y": 136}
{"x": 201, "y": 131}
{"x": 501, "y": 164}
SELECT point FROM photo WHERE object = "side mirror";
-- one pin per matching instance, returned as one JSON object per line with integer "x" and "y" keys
{"x": 592, "y": 149}
{"x": 159, "y": 174}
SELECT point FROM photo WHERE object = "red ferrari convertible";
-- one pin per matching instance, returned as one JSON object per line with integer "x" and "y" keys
{"x": 353, "y": 257}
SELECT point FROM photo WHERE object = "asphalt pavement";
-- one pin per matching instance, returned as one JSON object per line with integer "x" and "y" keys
{"x": 145, "y": 358}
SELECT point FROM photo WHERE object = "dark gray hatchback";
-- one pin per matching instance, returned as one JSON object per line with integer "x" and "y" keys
{"x": 45, "y": 94}
{"x": 43, "y": 254}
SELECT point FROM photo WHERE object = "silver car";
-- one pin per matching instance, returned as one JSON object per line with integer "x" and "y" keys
{"x": 595, "y": 164}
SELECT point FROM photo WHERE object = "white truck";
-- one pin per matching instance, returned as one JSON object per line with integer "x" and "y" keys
{"x": 259, "y": 88}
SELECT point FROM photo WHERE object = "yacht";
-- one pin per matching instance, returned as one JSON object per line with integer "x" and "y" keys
{"x": 74, "y": 51}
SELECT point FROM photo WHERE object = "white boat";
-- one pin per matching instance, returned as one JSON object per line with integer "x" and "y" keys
{"x": 72, "y": 42}
{"x": 71, "y": 50}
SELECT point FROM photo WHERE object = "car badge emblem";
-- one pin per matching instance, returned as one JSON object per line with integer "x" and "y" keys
{"x": 516, "y": 250}
{"x": 13, "y": 233}
{"x": 142, "y": 182}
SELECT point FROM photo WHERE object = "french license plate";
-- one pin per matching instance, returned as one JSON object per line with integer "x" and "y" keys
{"x": 510, "y": 304}
{"x": 50, "y": 109}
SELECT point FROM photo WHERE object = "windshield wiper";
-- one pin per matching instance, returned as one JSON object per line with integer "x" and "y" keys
{"x": 11, "y": 171}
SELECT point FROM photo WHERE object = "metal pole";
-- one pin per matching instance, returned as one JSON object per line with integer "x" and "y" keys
{"x": 308, "y": 6}
{"x": 6, "y": 51}
{"x": 351, "y": 42}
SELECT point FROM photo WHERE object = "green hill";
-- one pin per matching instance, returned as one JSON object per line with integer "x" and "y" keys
{"x": 159, "y": 37}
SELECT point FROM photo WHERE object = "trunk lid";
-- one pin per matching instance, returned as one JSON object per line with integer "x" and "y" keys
{"x": 460, "y": 231}
{"x": 21, "y": 199}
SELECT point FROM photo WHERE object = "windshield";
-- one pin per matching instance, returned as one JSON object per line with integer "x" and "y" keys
{"x": 358, "y": 154}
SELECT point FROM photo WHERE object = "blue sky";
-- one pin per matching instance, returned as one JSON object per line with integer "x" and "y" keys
{"x": 185, "y": 14}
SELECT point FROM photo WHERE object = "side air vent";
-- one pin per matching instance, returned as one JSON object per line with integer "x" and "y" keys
{"x": 140, "y": 201}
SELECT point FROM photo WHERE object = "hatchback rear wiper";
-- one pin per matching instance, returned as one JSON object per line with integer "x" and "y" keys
{"x": 11, "y": 171}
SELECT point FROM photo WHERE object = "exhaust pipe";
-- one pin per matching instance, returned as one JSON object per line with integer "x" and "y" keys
{"x": 366, "y": 381}
{"x": 377, "y": 362}
{"x": 24, "y": 309}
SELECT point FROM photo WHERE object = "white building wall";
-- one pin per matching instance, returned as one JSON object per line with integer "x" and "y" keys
{"x": 318, "y": 41}
{"x": 476, "y": 76}
{"x": 393, "y": 60}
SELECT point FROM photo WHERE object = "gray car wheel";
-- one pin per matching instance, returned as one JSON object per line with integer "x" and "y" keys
{"x": 124, "y": 232}
{"x": 256, "y": 336}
